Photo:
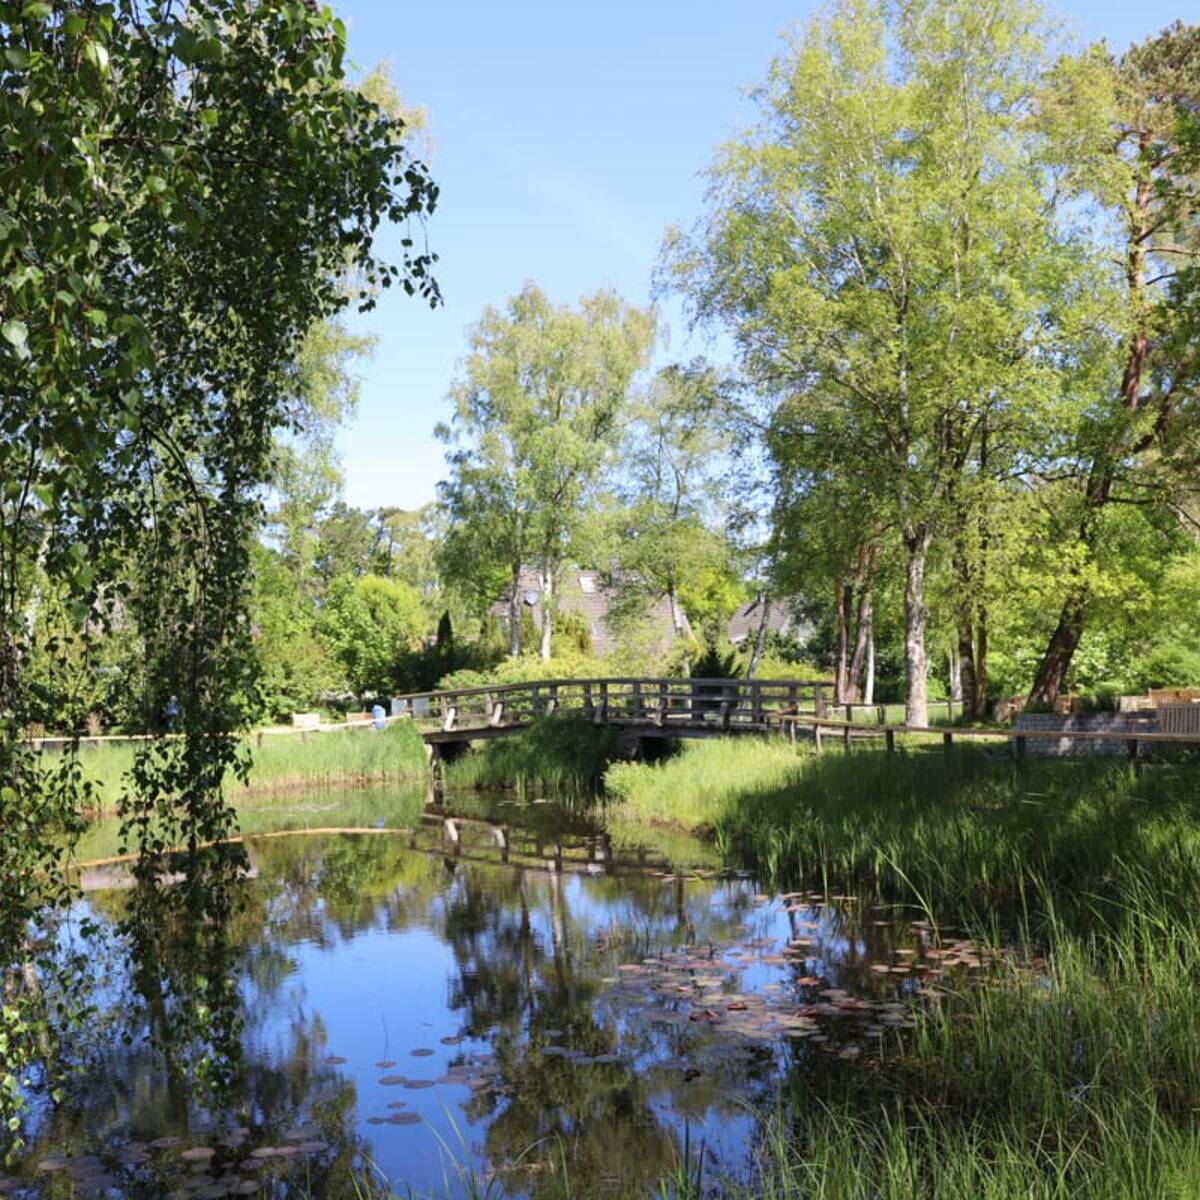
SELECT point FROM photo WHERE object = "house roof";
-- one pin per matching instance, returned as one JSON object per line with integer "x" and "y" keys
{"x": 780, "y": 619}
{"x": 583, "y": 593}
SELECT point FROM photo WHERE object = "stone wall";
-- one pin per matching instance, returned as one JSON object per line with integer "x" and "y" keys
{"x": 1120, "y": 725}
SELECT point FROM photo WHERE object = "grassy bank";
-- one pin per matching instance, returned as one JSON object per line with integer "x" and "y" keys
{"x": 703, "y": 782}
{"x": 565, "y": 757}
{"x": 958, "y": 831}
{"x": 1074, "y": 1071}
{"x": 286, "y": 762}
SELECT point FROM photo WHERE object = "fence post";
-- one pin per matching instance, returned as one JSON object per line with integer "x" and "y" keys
{"x": 535, "y": 700}
{"x": 1132, "y": 747}
{"x": 664, "y": 703}
{"x": 587, "y": 699}
{"x": 846, "y": 737}
{"x": 818, "y": 700}
{"x": 727, "y": 704}
{"x": 602, "y": 708}
{"x": 635, "y": 701}
{"x": 947, "y": 741}
{"x": 891, "y": 740}
{"x": 849, "y": 712}
{"x": 756, "y": 702}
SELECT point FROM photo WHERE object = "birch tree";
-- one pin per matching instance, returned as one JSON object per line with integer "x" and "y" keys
{"x": 538, "y": 409}
{"x": 874, "y": 247}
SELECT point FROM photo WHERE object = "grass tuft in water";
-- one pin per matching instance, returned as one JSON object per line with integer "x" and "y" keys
{"x": 565, "y": 757}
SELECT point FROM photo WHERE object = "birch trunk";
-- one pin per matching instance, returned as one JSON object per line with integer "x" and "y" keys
{"x": 916, "y": 666}
{"x": 514, "y": 614}
{"x": 760, "y": 640}
{"x": 547, "y": 612}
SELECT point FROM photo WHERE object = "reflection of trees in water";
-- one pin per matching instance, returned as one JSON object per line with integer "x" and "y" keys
{"x": 181, "y": 1050}
{"x": 212, "y": 957}
{"x": 530, "y": 969}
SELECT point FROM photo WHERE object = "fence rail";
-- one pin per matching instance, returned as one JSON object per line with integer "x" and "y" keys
{"x": 849, "y": 731}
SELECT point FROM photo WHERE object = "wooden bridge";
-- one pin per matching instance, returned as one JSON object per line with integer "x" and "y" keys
{"x": 644, "y": 707}
{"x": 701, "y": 708}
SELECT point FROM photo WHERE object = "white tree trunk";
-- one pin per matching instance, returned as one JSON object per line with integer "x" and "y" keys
{"x": 869, "y": 682}
{"x": 916, "y": 666}
{"x": 547, "y": 612}
{"x": 956, "y": 691}
{"x": 514, "y": 615}
{"x": 760, "y": 641}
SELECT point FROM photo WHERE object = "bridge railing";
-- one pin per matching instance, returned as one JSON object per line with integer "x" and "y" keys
{"x": 724, "y": 703}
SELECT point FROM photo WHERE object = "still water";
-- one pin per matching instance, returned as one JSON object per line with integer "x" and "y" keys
{"x": 524, "y": 1010}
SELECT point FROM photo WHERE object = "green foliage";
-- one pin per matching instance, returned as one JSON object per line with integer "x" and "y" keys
{"x": 529, "y": 668}
{"x": 536, "y": 414}
{"x": 878, "y": 247}
{"x": 371, "y": 624}
{"x": 179, "y": 194}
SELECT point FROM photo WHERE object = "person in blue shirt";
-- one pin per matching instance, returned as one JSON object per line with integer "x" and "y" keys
{"x": 379, "y": 717}
{"x": 171, "y": 713}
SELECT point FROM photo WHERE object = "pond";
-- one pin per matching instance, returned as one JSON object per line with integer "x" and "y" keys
{"x": 456, "y": 1007}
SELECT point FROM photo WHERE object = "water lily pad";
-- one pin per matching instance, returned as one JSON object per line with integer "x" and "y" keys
{"x": 393, "y": 1081}
{"x": 197, "y": 1154}
{"x": 166, "y": 1143}
{"x": 333, "y": 1060}
{"x": 453, "y": 1040}
{"x": 421, "y": 1052}
{"x": 404, "y": 1118}
{"x": 385, "y": 1064}
{"x": 302, "y": 1133}
{"x": 413, "y": 1084}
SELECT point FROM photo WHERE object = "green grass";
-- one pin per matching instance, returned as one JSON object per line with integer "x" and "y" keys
{"x": 1073, "y": 1070}
{"x": 563, "y": 757}
{"x": 699, "y": 784}
{"x": 955, "y": 830}
{"x": 289, "y": 762}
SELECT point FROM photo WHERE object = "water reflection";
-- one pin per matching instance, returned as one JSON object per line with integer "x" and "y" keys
{"x": 361, "y": 1000}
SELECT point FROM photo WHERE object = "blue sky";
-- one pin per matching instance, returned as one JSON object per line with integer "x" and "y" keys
{"x": 566, "y": 138}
